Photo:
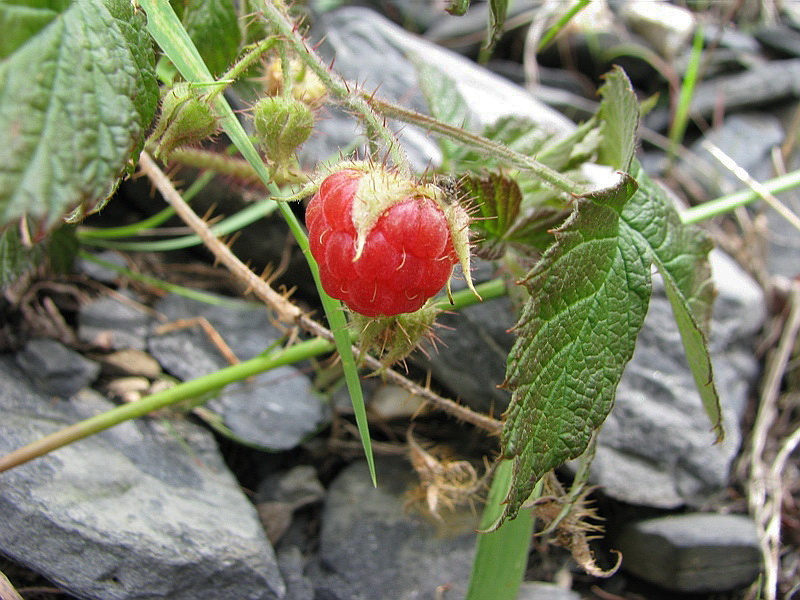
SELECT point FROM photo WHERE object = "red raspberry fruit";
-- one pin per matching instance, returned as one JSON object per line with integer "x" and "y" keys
{"x": 383, "y": 243}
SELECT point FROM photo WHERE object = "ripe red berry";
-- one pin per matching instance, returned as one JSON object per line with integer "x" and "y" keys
{"x": 383, "y": 243}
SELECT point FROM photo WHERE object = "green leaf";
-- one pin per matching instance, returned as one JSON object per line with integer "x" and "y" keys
{"x": 496, "y": 197}
{"x": 680, "y": 253}
{"x": 493, "y": 200}
{"x": 619, "y": 120}
{"x": 498, "y": 9}
{"x": 22, "y": 20}
{"x": 78, "y": 95}
{"x": 457, "y": 7}
{"x": 588, "y": 299}
{"x": 16, "y": 258}
{"x": 445, "y": 103}
{"x": 518, "y": 133}
{"x": 213, "y": 26}
{"x": 62, "y": 249}
{"x": 535, "y": 229}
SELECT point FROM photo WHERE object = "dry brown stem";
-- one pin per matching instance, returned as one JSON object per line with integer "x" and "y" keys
{"x": 765, "y": 486}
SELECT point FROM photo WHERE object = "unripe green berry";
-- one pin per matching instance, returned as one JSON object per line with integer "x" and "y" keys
{"x": 282, "y": 124}
{"x": 393, "y": 338}
{"x": 185, "y": 119}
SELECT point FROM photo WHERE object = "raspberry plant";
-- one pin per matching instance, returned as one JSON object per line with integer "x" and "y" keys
{"x": 383, "y": 254}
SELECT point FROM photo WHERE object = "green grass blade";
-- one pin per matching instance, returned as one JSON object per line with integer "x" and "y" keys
{"x": 151, "y": 222}
{"x": 169, "y": 33}
{"x": 235, "y": 222}
{"x": 502, "y": 555}
{"x": 681, "y": 119}
{"x": 553, "y": 31}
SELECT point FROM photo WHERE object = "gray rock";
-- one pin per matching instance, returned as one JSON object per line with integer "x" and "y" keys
{"x": 245, "y": 326}
{"x": 666, "y": 27}
{"x": 113, "y": 324}
{"x": 371, "y": 547}
{"x": 56, "y": 369}
{"x": 100, "y": 272}
{"x": 281, "y": 494}
{"x": 656, "y": 447}
{"x": 374, "y": 52}
{"x": 748, "y": 138}
{"x": 780, "y": 38}
{"x": 692, "y": 553}
{"x": 539, "y": 590}
{"x": 783, "y": 255}
{"x": 143, "y": 510}
{"x": 471, "y": 358}
{"x": 275, "y": 410}
{"x": 298, "y": 586}
{"x": 768, "y": 83}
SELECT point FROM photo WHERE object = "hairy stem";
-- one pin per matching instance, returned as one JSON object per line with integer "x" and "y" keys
{"x": 477, "y": 142}
{"x": 229, "y": 166}
{"x": 353, "y": 101}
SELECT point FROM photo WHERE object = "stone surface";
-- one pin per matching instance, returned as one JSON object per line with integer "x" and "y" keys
{"x": 668, "y": 28}
{"x": 281, "y": 494}
{"x": 783, "y": 255}
{"x": 113, "y": 324}
{"x": 143, "y": 510}
{"x": 245, "y": 326}
{"x": 768, "y": 83}
{"x": 101, "y": 272}
{"x": 539, "y": 590}
{"x": 378, "y": 54}
{"x": 292, "y": 564}
{"x": 371, "y": 547}
{"x": 131, "y": 362}
{"x": 56, "y": 369}
{"x": 656, "y": 447}
{"x": 692, "y": 553}
{"x": 275, "y": 410}
{"x": 779, "y": 38}
{"x": 747, "y": 138}
{"x": 471, "y": 356}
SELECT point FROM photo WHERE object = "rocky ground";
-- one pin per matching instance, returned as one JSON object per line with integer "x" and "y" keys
{"x": 261, "y": 492}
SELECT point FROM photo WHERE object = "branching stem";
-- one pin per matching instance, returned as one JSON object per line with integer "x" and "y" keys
{"x": 353, "y": 101}
{"x": 477, "y": 142}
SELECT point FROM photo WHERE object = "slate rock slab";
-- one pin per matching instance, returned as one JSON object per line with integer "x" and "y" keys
{"x": 748, "y": 138}
{"x": 473, "y": 347}
{"x": 377, "y": 54}
{"x": 694, "y": 552}
{"x": 656, "y": 448}
{"x": 370, "y": 547}
{"x": 540, "y": 590}
{"x": 113, "y": 324}
{"x": 139, "y": 511}
{"x": 275, "y": 410}
{"x": 765, "y": 84}
{"x": 56, "y": 369}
